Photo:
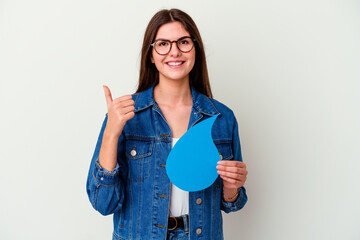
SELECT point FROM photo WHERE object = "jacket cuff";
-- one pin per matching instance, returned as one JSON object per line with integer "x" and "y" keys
{"x": 104, "y": 177}
{"x": 237, "y": 204}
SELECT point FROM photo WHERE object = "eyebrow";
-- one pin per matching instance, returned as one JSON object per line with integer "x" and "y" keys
{"x": 176, "y": 40}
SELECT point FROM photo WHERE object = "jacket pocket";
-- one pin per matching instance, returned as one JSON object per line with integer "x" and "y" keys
{"x": 225, "y": 149}
{"x": 138, "y": 154}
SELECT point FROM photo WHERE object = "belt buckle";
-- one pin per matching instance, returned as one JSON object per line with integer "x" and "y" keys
{"x": 176, "y": 223}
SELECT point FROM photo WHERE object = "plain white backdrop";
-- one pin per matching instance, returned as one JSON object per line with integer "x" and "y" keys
{"x": 290, "y": 70}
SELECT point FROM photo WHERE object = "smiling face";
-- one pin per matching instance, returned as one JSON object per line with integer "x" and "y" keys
{"x": 167, "y": 65}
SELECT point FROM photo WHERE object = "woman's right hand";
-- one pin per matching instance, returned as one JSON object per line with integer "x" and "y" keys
{"x": 120, "y": 110}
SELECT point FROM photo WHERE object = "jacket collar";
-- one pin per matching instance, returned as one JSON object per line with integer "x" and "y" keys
{"x": 201, "y": 102}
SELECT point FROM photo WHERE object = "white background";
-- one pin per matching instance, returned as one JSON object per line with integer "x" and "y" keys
{"x": 290, "y": 70}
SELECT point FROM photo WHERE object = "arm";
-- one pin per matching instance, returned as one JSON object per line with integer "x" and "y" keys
{"x": 228, "y": 204}
{"x": 105, "y": 188}
{"x": 108, "y": 169}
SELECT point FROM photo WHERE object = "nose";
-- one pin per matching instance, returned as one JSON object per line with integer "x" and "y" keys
{"x": 174, "y": 51}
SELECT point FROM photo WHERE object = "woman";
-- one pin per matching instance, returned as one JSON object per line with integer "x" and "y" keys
{"x": 127, "y": 175}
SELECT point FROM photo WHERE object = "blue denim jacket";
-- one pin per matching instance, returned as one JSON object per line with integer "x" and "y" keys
{"x": 137, "y": 191}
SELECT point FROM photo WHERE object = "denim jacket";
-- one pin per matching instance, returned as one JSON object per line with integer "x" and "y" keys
{"x": 137, "y": 191}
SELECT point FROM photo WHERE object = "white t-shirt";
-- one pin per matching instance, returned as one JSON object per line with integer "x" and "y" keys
{"x": 179, "y": 199}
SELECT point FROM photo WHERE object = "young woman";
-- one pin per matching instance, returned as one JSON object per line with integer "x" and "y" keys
{"x": 127, "y": 175}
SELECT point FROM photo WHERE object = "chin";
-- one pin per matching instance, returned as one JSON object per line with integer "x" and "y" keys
{"x": 177, "y": 78}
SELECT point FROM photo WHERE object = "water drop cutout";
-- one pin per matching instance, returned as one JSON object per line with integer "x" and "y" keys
{"x": 191, "y": 164}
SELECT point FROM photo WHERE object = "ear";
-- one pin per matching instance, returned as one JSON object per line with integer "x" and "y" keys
{"x": 152, "y": 59}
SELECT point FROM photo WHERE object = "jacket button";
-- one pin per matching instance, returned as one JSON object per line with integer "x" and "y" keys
{"x": 198, "y": 231}
{"x": 133, "y": 153}
{"x": 198, "y": 201}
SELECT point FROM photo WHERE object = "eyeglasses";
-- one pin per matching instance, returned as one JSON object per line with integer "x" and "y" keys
{"x": 163, "y": 46}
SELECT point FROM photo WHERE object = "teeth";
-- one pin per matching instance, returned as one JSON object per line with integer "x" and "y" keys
{"x": 174, "y": 63}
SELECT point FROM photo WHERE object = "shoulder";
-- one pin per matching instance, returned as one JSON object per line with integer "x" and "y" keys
{"x": 226, "y": 116}
{"x": 225, "y": 122}
{"x": 143, "y": 99}
{"x": 210, "y": 106}
{"x": 221, "y": 107}
{"x": 224, "y": 126}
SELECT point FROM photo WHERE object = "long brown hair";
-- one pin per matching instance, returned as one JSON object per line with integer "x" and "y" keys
{"x": 149, "y": 75}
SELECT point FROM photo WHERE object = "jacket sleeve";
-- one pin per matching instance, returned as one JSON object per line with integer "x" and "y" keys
{"x": 106, "y": 189}
{"x": 241, "y": 200}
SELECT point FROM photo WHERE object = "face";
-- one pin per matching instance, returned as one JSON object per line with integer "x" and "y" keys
{"x": 173, "y": 31}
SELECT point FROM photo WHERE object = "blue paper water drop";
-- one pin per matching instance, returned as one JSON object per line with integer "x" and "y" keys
{"x": 191, "y": 164}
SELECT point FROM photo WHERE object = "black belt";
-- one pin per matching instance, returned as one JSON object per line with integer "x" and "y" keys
{"x": 176, "y": 222}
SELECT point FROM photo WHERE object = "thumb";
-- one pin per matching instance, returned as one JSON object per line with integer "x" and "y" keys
{"x": 107, "y": 96}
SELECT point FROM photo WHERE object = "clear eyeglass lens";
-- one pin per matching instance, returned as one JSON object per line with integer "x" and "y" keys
{"x": 185, "y": 44}
{"x": 163, "y": 47}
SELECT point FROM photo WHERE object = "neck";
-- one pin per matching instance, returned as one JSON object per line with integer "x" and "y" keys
{"x": 173, "y": 93}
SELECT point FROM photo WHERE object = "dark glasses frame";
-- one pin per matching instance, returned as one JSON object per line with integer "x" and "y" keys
{"x": 171, "y": 43}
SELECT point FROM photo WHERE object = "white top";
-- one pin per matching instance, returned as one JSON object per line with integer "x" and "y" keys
{"x": 179, "y": 199}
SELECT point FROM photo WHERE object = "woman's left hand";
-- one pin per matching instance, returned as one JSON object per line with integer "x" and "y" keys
{"x": 233, "y": 173}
